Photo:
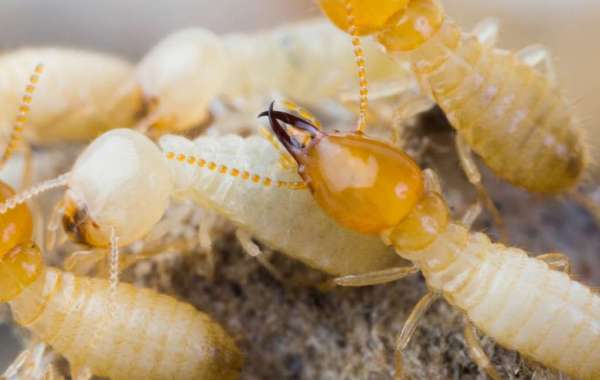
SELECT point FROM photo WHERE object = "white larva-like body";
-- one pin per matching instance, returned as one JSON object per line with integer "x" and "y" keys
{"x": 287, "y": 220}
{"x": 190, "y": 68}
{"x": 76, "y": 99}
{"x": 123, "y": 181}
{"x": 517, "y": 300}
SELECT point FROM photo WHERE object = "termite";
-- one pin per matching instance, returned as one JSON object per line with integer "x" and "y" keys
{"x": 76, "y": 100}
{"x": 120, "y": 333}
{"x": 189, "y": 69}
{"x": 121, "y": 185}
{"x": 504, "y": 108}
{"x": 525, "y": 304}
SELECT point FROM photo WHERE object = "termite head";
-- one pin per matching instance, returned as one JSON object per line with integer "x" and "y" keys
{"x": 20, "y": 260}
{"x": 364, "y": 184}
{"x": 369, "y": 16}
{"x": 399, "y": 25}
{"x": 180, "y": 76}
{"x": 409, "y": 29}
{"x": 120, "y": 182}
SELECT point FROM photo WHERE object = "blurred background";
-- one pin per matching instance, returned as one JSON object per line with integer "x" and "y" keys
{"x": 570, "y": 28}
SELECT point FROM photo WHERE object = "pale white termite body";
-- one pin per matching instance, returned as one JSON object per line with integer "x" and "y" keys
{"x": 128, "y": 333}
{"x": 123, "y": 181}
{"x": 191, "y": 68}
{"x": 515, "y": 299}
{"x": 79, "y": 97}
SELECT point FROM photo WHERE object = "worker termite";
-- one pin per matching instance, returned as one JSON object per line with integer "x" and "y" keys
{"x": 120, "y": 333}
{"x": 121, "y": 184}
{"x": 503, "y": 108}
{"x": 189, "y": 69}
{"x": 77, "y": 99}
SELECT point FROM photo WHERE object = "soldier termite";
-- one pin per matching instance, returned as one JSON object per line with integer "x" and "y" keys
{"x": 522, "y": 302}
{"x": 507, "y": 111}
{"x": 120, "y": 333}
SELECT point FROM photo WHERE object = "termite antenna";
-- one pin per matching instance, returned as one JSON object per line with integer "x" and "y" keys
{"x": 243, "y": 175}
{"x": 32, "y": 192}
{"x": 24, "y": 107}
{"x": 359, "y": 55}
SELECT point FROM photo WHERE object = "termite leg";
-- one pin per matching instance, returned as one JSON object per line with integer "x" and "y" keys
{"x": 432, "y": 182}
{"x": 254, "y": 250}
{"x": 486, "y": 31}
{"x": 477, "y": 353}
{"x": 410, "y": 104}
{"x": 81, "y": 373}
{"x": 471, "y": 215}
{"x": 285, "y": 159}
{"x": 556, "y": 261}
{"x": 84, "y": 262}
{"x": 409, "y": 329}
{"x": 375, "y": 278}
{"x": 474, "y": 176}
{"x": 535, "y": 55}
{"x": 587, "y": 202}
{"x": 206, "y": 244}
{"x": 53, "y": 228}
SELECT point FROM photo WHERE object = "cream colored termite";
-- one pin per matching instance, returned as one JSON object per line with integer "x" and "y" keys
{"x": 122, "y": 183}
{"x": 77, "y": 98}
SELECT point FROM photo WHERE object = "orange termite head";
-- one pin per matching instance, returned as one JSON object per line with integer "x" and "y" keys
{"x": 369, "y": 16}
{"x": 20, "y": 260}
{"x": 399, "y": 25}
{"x": 366, "y": 185}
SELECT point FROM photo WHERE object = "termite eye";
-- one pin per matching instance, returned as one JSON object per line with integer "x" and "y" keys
{"x": 369, "y": 16}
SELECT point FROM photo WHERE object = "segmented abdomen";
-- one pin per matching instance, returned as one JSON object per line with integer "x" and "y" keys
{"x": 148, "y": 336}
{"x": 509, "y": 113}
{"x": 284, "y": 219}
{"x": 518, "y": 301}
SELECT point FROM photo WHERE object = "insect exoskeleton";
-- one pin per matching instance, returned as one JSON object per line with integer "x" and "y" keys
{"x": 522, "y": 302}
{"x": 121, "y": 184}
{"x": 504, "y": 108}
{"x": 120, "y": 333}
{"x": 188, "y": 70}
{"x": 78, "y": 97}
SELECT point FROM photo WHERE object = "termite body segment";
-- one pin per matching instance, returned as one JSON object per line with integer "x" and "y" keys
{"x": 123, "y": 181}
{"x": 369, "y": 186}
{"x": 77, "y": 99}
{"x": 507, "y": 111}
